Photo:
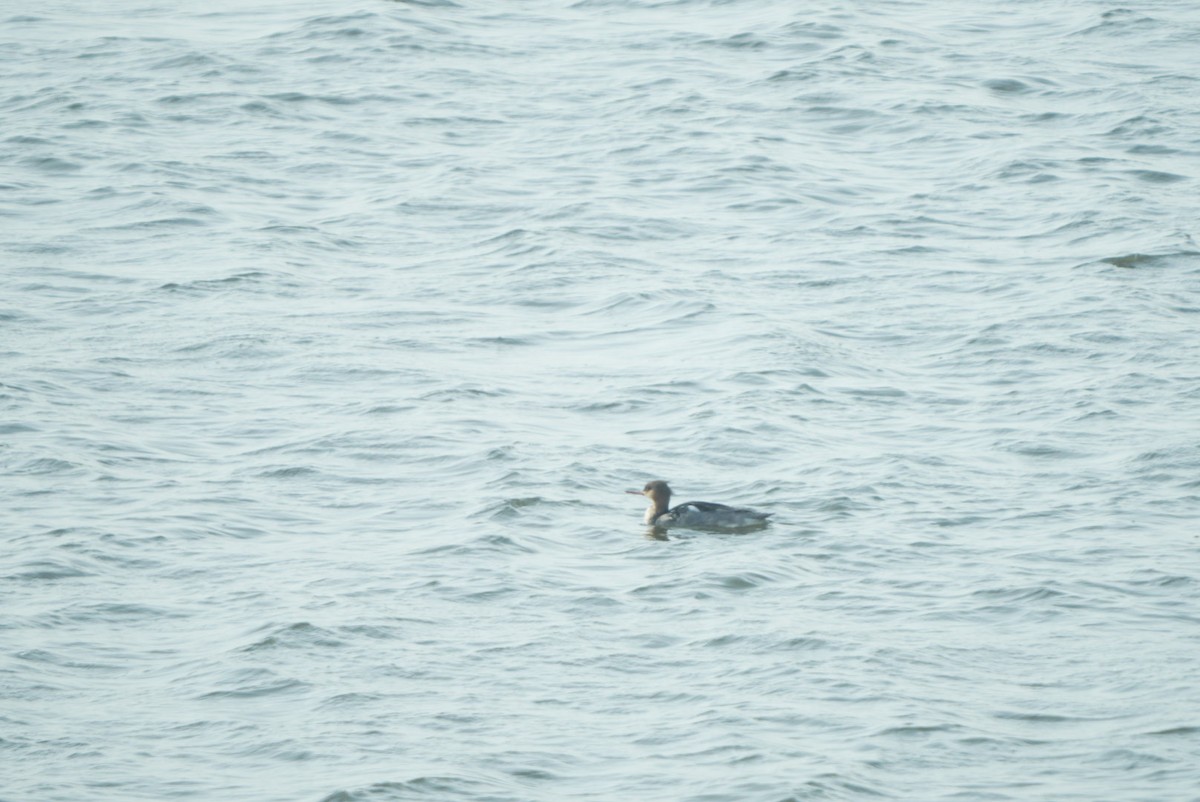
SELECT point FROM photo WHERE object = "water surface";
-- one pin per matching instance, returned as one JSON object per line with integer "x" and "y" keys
{"x": 332, "y": 334}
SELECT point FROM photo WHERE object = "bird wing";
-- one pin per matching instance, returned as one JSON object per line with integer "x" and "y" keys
{"x": 712, "y": 506}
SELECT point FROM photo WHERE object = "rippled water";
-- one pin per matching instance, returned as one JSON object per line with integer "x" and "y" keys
{"x": 332, "y": 335}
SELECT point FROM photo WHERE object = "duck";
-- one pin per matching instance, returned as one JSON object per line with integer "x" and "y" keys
{"x": 695, "y": 514}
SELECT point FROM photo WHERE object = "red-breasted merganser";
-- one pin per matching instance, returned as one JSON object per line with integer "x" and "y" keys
{"x": 697, "y": 514}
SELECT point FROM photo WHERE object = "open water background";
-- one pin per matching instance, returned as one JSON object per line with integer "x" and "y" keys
{"x": 330, "y": 335}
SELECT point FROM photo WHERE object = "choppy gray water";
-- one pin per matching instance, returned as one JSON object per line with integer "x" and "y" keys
{"x": 333, "y": 332}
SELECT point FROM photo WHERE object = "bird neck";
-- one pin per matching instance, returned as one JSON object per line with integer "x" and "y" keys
{"x": 658, "y": 505}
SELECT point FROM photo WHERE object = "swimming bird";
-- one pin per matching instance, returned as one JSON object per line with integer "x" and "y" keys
{"x": 695, "y": 514}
